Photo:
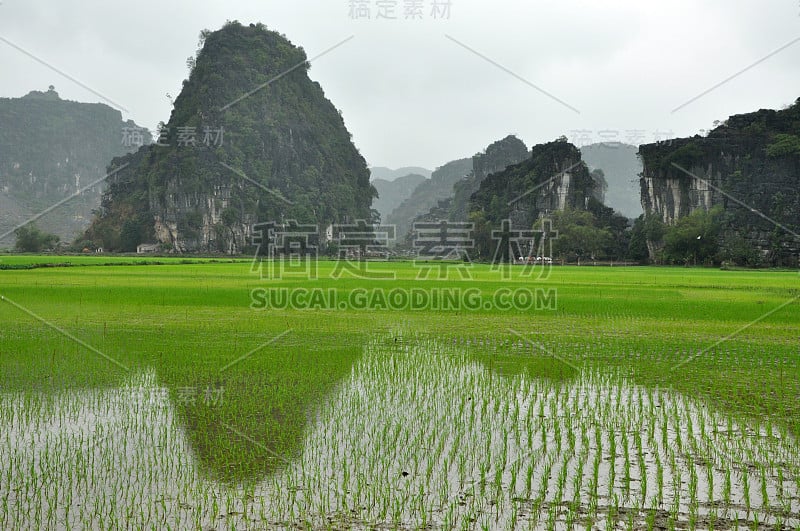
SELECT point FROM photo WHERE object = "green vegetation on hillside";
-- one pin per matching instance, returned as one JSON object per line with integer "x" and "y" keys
{"x": 749, "y": 166}
{"x": 280, "y": 132}
{"x": 31, "y": 240}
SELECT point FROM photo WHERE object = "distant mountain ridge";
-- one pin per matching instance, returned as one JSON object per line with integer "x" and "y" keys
{"x": 621, "y": 168}
{"x": 427, "y": 195}
{"x": 54, "y": 150}
{"x": 392, "y": 193}
{"x": 388, "y": 174}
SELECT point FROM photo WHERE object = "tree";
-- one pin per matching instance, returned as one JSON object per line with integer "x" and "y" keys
{"x": 130, "y": 237}
{"x": 694, "y": 238}
{"x": 578, "y": 235}
{"x": 785, "y": 145}
{"x": 482, "y": 234}
{"x": 617, "y": 225}
{"x": 647, "y": 228}
{"x": 31, "y": 240}
{"x": 374, "y": 216}
{"x": 230, "y": 218}
{"x": 737, "y": 250}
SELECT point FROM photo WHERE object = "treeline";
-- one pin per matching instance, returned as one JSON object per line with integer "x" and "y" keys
{"x": 699, "y": 238}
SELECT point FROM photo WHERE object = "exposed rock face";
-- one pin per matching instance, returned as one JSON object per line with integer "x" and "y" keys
{"x": 52, "y": 149}
{"x": 750, "y": 165}
{"x": 673, "y": 197}
{"x": 172, "y": 221}
{"x": 269, "y": 147}
{"x": 553, "y": 178}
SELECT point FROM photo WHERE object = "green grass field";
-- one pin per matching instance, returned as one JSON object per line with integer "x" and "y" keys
{"x": 268, "y": 412}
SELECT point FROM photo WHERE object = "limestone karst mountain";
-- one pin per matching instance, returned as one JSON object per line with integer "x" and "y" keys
{"x": 553, "y": 178}
{"x": 251, "y": 139}
{"x": 750, "y": 167}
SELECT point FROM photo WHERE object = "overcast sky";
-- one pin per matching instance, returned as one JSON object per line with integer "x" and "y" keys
{"x": 423, "y": 91}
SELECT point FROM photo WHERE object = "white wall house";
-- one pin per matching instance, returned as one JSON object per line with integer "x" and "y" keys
{"x": 144, "y": 248}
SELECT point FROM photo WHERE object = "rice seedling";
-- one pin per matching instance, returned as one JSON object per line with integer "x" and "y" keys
{"x": 388, "y": 419}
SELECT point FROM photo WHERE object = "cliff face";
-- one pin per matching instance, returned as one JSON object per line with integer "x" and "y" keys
{"x": 749, "y": 165}
{"x": 267, "y": 146}
{"x": 51, "y": 149}
{"x": 553, "y": 178}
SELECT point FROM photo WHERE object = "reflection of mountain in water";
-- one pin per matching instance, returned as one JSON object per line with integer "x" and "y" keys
{"x": 415, "y": 432}
{"x": 249, "y": 421}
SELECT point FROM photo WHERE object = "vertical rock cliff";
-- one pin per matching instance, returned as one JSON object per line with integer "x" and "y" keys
{"x": 749, "y": 165}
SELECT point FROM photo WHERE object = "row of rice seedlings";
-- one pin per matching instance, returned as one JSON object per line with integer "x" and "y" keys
{"x": 72, "y": 474}
{"x": 418, "y": 435}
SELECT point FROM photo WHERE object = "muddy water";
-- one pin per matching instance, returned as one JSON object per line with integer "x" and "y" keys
{"x": 417, "y": 435}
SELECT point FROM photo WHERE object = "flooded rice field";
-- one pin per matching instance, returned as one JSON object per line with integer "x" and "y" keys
{"x": 416, "y": 435}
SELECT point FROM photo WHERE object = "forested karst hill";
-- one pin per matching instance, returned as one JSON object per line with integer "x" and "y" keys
{"x": 52, "y": 148}
{"x": 556, "y": 184}
{"x": 279, "y": 150}
{"x": 749, "y": 167}
{"x": 553, "y": 178}
{"x": 495, "y": 158}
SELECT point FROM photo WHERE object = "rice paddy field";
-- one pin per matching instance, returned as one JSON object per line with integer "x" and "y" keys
{"x": 199, "y": 394}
